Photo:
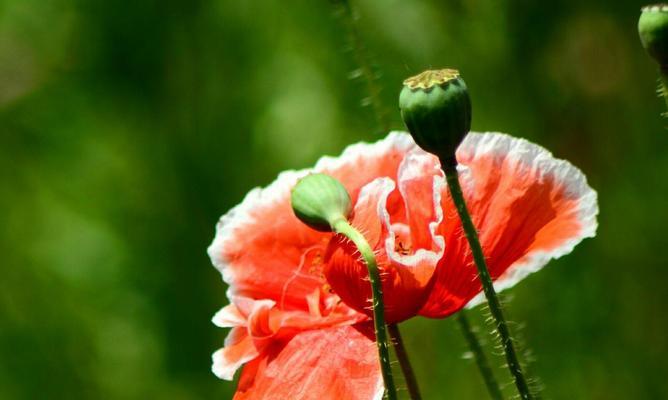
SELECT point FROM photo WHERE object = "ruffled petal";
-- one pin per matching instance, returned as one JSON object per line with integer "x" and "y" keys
{"x": 258, "y": 325}
{"x": 239, "y": 349}
{"x": 328, "y": 364}
{"x": 415, "y": 242}
{"x": 528, "y": 207}
{"x": 261, "y": 248}
{"x": 228, "y": 317}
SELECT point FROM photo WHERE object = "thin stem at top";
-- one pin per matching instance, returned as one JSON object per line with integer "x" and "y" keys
{"x": 480, "y": 358}
{"x": 363, "y": 60}
{"x": 404, "y": 362}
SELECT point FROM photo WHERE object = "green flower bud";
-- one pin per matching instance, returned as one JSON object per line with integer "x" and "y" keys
{"x": 436, "y": 109}
{"x": 653, "y": 30}
{"x": 319, "y": 200}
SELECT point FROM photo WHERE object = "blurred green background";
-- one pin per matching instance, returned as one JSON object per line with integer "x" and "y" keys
{"x": 128, "y": 127}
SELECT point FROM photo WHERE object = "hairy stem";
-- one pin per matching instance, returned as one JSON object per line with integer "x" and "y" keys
{"x": 480, "y": 358}
{"x": 404, "y": 362}
{"x": 663, "y": 87}
{"x": 344, "y": 228}
{"x": 450, "y": 169}
{"x": 363, "y": 60}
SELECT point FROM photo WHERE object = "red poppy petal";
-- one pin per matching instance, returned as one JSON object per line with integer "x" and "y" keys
{"x": 329, "y": 364}
{"x": 345, "y": 271}
{"x": 261, "y": 248}
{"x": 405, "y": 277}
{"x": 414, "y": 247}
{"x": 263, "y": 251}
{"x": 370, "y": 206}
{"x": 528, "y": 207}
{"x": 421, "y": 182}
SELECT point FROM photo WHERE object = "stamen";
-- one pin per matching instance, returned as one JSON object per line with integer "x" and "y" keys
{"x": 400, "y": 247}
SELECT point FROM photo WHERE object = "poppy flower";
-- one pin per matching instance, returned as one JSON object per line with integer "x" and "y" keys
{"x": 300, "y": 299}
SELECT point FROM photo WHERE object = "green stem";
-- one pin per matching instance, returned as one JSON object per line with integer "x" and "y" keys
{"x": 363, "y": 60}
{"x": 404, "y": 362}
{"x": 344, "y": 228}
{"x": 450, "y": 169}
{"x": 480, "y": 358}
{"x": 663, "y": 86}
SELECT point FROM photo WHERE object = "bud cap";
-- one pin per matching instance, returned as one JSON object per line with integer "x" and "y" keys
{"x": 436, "y": 109}
{"x": 653, "y": 30}
{"x": 319, "y": 200}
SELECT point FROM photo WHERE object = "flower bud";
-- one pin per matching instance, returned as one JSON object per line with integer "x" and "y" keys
{"x": 436, "y": 109}
{"x": 319, "y": 200}
{"x": 653, "y": 30}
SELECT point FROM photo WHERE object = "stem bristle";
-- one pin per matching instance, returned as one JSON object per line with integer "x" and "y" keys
{"x": 366, "y": 67}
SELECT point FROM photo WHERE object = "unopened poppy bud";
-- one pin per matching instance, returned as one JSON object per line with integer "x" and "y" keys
{"x": 319, "y": 200}
{"x": 436, "y": 109}
{"x": 653, "y": 30}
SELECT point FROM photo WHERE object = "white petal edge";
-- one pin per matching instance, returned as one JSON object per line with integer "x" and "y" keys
{"x": 240, "y": 215}
{"x": 226, "y": 318}
{"x": 531, "y": 154}
{"x": 394, "y": 141}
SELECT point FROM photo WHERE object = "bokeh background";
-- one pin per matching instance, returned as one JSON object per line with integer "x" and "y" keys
{"x": 128, "y": 127}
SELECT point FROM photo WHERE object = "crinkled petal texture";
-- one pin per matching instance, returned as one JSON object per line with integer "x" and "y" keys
{"x": 301, "y": 298}
{"x": 528, "y": 208}
{"x": 265, "y": 252}
{"x": 400, "y": 220}
{"x": 293, "y": 332}
{"x": 327, "y": 364}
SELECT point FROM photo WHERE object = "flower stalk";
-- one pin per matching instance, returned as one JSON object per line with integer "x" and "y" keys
{"x": 450, "y": 168}
{"x": 404, "y": 362}
{"x": 324, "y": 204}
{"x": 344, "y": 228}
{"x": 364, "y": 62}
{"x": 436, "y": 109}
{"x": 663, "y": 87}
{"x": 480, "y": 358}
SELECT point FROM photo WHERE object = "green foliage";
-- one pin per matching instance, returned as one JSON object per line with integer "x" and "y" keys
{"x": 128, "y": 128}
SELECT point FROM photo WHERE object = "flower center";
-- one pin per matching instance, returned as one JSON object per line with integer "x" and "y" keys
{"x": 402, "y": 247}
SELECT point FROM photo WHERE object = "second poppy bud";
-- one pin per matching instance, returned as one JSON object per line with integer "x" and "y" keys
{"x": 436, "y": 109}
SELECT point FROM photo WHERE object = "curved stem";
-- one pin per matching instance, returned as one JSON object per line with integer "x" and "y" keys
{"x": 450, "y": 169}
{"x": 404, "y": 362}
{"x": 345, "y": 229}
{"x": 480, "y": 358}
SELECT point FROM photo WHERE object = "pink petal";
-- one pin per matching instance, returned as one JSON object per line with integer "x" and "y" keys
{"x": 258, "y": 325}
{"x": 405, "y": 275}
{"x": 528, "y": 207}
{"x": 329, "y": 364}
{"x": 261, "y": 248}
